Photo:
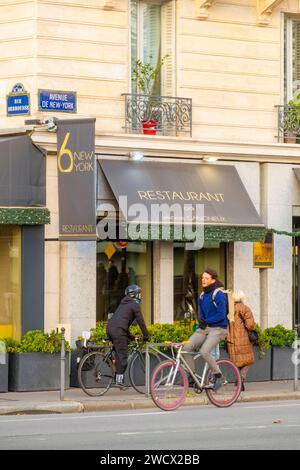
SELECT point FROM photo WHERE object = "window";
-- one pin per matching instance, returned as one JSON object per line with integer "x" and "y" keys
{"x": 120, "y": 264}
{"x": 153, "y": 37}
{"x": 10, "y": 281}
{"x": 188, "y": 267}
{"x": 292, "y": 58}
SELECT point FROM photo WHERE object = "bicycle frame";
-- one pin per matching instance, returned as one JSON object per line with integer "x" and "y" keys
{"x": 174, "y": 359}
{"x": 179, "y": 360}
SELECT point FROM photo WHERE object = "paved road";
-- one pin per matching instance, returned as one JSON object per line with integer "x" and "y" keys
{"x": 260, "y": 425}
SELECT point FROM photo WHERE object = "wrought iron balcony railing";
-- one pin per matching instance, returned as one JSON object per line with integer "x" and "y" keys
{"x": 288, "y": 124}
{"x": 161, "y": 115}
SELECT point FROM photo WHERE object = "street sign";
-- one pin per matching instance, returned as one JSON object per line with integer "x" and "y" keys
{"x": 18, "y": 101}
{"x": 263, "y": 253}
{"x": 58, "y": 101}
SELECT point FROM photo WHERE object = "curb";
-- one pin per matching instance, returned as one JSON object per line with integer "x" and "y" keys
{"x": 42, "y": 408}
{"x": 93, "y": 406}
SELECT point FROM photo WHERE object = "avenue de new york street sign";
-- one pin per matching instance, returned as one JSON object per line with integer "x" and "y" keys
{"x": 18, "y": 101}
{"x": 59, "y": 101}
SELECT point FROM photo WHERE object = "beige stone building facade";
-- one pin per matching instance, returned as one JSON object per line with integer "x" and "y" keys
{"x": 236, "y": 59}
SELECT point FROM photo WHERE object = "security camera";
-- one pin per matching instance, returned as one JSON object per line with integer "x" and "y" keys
{"x": 51, "y": 124}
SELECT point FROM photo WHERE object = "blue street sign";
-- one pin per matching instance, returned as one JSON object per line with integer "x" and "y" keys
{"x": 18, "y": 101}
{"x": 58, "y": 101}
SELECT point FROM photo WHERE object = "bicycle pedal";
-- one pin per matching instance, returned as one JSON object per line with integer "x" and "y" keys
{"x": 122, "y": 387}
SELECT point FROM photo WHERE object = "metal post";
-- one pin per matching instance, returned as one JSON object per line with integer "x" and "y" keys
{"x": 296, "y": 359}
{"x": 147, "y": 372}
{"x": 62, "y": 364}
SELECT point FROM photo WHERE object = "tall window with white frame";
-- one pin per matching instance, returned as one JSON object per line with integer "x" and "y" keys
{"x": 152, "y": 38}
{"x": 292, "y": 58}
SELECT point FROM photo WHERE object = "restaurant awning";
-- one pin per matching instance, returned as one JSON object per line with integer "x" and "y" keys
{"x": 229, "y": 213}
{"x": 22, "y": 181}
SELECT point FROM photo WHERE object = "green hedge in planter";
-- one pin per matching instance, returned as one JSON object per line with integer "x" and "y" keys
{"x": 159, "y": 332}
{"x": 36, "y": 341}
{"x": 10, "y": 344}
{"x": 279, "y": 336}
{"x": 34, "y": 362}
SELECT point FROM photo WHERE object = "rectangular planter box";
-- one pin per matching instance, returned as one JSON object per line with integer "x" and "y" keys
{"x": 4, "y": 374}
{"x": 261, "y": 370}
{"x": 36, "y": 372}
{"x": 282, "y": 365}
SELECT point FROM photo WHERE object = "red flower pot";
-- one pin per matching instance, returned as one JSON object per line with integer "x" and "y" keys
{"x": 149, "y": 127}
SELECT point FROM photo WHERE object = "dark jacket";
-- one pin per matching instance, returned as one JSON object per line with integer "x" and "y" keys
{"x": 213, "y": 313}
{"x": 124, "y": 316}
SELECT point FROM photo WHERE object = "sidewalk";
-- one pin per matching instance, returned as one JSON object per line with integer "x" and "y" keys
{"x": 77, "y": 402}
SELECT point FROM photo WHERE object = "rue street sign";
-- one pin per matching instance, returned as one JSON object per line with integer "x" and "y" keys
{"x": 58, "y": 101}
{"x": 18, "y": 101}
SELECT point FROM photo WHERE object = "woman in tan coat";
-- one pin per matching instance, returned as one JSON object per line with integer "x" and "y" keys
{"x": 240, "y": 349}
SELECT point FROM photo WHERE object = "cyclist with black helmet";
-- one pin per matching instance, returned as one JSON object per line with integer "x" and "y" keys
{"x": 118, "y": 328}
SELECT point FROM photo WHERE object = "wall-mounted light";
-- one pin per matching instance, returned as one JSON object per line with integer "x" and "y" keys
{"x": 136, "y": 155}
{"x": 50, "y": 123}
{"x": 210, "y": 158}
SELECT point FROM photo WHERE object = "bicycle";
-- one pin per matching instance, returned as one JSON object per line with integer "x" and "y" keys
{"x": 169, "y": 382}
{"x": 97, "y": 368}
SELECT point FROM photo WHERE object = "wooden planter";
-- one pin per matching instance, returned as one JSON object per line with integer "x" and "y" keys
{"x": 36, "y": 372}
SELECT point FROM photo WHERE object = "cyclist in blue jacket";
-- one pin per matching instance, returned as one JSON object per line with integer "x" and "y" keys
{"x": 213, "y": 324}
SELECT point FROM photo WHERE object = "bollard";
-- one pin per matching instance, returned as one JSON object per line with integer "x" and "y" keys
{"x": 296, "y": 359}
{"x": 147, "y": 372}
{"x": 62, "y": 364}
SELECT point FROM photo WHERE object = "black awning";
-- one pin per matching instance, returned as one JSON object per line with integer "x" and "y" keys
{"x": 218, "y": 187}
{"x": 22, "y": 172}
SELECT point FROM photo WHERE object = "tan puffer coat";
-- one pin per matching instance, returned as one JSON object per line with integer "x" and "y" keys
{"x": 239, "y": 347}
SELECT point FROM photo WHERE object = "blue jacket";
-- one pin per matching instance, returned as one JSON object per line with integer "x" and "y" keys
{"x": 213, "y": 315}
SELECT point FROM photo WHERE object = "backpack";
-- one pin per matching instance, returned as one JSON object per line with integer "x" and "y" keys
{"x": 230, "y": 301}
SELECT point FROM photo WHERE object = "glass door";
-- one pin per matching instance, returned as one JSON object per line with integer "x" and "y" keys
{"x": 120, "y": 264}
{"x": 188, "y": 267}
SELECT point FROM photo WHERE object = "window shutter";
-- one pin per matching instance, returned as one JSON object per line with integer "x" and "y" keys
{"x": 296, "y": 56}
{"x": 168, "y": 47}
{"x": 152, "y": 38}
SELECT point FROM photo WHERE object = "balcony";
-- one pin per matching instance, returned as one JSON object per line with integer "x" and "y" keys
{"x": 157, "y": 115}
{"x": 288, "y": 124}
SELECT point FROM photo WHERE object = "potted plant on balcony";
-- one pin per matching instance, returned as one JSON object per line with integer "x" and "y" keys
{"x": 145, "y": 75}
{"x": 291, "y": 120}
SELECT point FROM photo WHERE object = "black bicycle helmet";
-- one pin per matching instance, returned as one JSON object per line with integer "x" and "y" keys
{"x": 133, "y": 291}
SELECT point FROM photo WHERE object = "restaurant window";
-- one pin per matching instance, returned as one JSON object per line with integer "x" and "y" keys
{"x": 120, "y": 264}
{"x": 188, "y": 267}
{"x": 152, "y": 38}
{"x": 10, "y": 281}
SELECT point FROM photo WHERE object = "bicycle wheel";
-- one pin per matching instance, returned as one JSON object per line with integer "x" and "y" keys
{"x": 95, "y": 373}
{"x": 230, "y": 390}
{"x": 137, "y": 369}
{"x": 168, "y": 388}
